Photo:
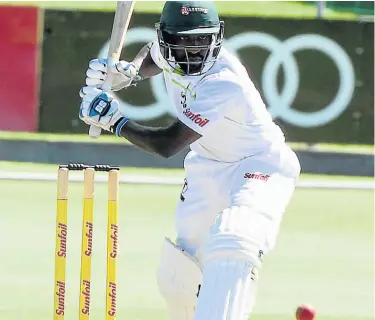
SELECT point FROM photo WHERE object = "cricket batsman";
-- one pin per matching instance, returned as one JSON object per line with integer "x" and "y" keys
{"x": 240, "y": 174}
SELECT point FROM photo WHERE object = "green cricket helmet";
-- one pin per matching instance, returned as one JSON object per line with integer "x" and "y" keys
{"x": 190, "y": 35}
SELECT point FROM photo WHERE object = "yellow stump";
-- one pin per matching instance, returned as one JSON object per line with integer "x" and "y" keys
{"x": 112, "y": 244}
{"x": 61, "y": 242}
{"x": 86, "y": 247}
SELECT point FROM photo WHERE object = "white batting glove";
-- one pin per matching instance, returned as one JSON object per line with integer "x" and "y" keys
{"x": 100, "y": 109}
{"x": 124, "y": 74}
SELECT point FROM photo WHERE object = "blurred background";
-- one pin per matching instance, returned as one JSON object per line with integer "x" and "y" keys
{"x": 313, "y": 63}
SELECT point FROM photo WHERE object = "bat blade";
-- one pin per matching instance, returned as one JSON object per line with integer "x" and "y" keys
{"x": 121, "y": 22}
{"x": 120, "y": 26}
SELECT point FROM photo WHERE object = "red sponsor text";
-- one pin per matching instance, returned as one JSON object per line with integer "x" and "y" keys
{"x": 88, "y": 251}
{"x": 256, "y": 176}
{"x": 112, "y": 295}
{"x": 86, "y": 292}
{"x": 62, "y": 239}
{"x": 114, "y": 237}
{"x": 61, "y": 298}
{"x": 195, "y": 117}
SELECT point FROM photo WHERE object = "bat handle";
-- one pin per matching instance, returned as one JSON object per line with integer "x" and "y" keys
{"x": 94, "y": 131}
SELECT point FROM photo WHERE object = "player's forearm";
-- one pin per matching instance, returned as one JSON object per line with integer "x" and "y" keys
{"x": 159, "y": 141}
{"x": 145, "y": 64}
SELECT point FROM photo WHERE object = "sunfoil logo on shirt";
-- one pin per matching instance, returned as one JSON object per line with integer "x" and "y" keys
{"x": 195, "y": 117}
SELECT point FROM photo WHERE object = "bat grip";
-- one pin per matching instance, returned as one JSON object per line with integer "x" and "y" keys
{"x": 94, "y": 131}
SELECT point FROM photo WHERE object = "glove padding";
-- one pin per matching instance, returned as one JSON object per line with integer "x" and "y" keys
{"x": 100, "y": 109}
{"x": 124, "y": 73}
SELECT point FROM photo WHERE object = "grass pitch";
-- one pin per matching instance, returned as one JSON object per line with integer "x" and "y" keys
{"x": 324, "y": 255}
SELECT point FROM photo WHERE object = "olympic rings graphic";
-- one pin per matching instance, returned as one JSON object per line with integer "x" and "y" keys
{"x": 279, "y": 105}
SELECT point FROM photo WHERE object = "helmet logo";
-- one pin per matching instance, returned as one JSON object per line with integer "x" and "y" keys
{"x": 185, "y": 10}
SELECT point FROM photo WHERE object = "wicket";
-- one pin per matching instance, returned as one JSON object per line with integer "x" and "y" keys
{"x": 87, "y": 234}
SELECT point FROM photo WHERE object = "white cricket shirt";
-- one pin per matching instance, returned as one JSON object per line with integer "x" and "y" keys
{"x": 223, "y": 106}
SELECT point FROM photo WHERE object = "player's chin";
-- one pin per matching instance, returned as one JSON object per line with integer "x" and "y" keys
{"x": 192, "y": 67}
{"x": 195, "y": 68}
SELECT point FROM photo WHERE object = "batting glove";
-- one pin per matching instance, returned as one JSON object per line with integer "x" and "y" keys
{"x": 100, "y": 109}
{"x": 124, "y": 73}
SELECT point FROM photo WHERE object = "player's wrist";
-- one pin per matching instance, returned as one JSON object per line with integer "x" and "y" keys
{"x": 116, "y": 128}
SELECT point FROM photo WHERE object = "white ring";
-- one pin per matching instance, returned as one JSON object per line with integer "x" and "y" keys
{"x": 282, "y": 104}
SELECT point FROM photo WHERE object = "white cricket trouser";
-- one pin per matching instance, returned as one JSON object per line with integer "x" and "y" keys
{"x": 265, "y": 182}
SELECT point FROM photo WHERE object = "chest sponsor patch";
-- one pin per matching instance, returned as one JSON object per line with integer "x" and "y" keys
{"x": 195, "y": 117}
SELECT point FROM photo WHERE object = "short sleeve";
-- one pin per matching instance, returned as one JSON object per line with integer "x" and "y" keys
{"x": 210, "y": 103}
{"x": 156, "y": 54}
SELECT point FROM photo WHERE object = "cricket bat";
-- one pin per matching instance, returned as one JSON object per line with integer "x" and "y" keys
{"x": 120, "y": 26}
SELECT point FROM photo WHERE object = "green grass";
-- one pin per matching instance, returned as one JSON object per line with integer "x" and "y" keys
{"x": 236, "y": 8}
{"x": 106, "y": 138}
{"x": 125, "y": 171}
{"x": 7, "y": 166}
{"x": 324, "y": 254}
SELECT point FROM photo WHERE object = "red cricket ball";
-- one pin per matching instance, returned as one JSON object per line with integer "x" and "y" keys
{"x": 305, "y": 312}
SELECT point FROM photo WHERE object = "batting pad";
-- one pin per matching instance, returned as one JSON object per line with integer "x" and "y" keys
{"x": 231, "y": 258}
{"x": 238, "y": 232}
{"x": 179, "y": 279}
{"x": 228, "y": 290}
